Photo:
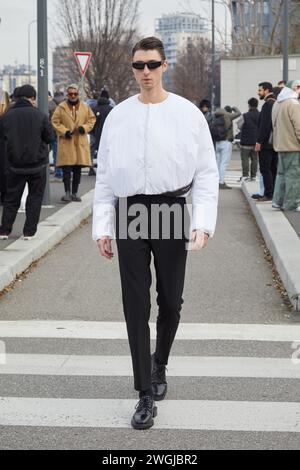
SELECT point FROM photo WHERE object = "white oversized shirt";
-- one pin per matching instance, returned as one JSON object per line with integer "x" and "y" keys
{"x": 152, "y": 149}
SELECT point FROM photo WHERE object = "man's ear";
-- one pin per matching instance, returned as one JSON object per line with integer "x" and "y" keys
{"x": 165, "y": 66}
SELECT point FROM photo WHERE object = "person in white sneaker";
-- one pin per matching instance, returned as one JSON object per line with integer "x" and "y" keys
{"x": 248, "y": 125}
{"x": 28, "y": 133}
{"x": 286, "y": 138}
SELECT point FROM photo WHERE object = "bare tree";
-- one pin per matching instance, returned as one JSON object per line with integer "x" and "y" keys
{"x": 257, "y": 31}
{"x": 107, "y": 29}
{"x": 191, "y": 75}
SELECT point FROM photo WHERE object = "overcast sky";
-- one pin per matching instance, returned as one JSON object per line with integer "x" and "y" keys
{"x": 17, "y": 14}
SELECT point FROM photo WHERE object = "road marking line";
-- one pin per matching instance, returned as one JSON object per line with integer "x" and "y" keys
{"x": 177, "y": 415}
{"x": 114, "y": 366}
{"x": 117, "y": 330}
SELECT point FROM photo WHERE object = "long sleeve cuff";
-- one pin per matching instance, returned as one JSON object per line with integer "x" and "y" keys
{"x": 104, "y": 217}
{"x": 204, "y": 218}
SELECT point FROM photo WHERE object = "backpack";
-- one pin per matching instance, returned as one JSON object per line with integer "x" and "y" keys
{"x": 218, "y": 129}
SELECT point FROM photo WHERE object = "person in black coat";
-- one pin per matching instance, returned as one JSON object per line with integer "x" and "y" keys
{"x": 268, "y": 158}
{"x": 4, "y": 106}
{"x": 27, "y": 133}
{"x": 248, "y": 124}
{"x": 101, "y": 111}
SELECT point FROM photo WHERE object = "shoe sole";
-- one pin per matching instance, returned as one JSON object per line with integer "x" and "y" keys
{"x": 141, "y": 427}
{"x": 263, "y": 202}
{"x": 4, "y": 238}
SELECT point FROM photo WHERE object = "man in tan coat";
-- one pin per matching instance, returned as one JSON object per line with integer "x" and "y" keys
{"x": 286, "y": 141}
{"x": 73, "y": 120}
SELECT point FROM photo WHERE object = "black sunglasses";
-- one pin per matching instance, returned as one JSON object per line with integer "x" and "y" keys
{"x": 152, "y": 64}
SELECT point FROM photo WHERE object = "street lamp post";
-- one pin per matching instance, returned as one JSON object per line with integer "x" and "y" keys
{"x": 286, "y": 41}
{"x": 213, "y": 57}
{"x": 43, "y": 72}
{"x": 29, "y": 47}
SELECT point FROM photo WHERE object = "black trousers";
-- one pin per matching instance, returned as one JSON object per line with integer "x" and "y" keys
{"x": 67, "y": 176}
{"x": 15, "y": 187}
{"x": 170, "y": 257}
{"x": 268, "y": 162}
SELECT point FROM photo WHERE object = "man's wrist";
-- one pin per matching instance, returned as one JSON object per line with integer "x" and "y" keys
{"x": 203, "y": 231}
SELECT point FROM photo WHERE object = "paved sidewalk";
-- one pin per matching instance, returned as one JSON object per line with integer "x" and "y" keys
{"x": 56, "y": 192}
{"x": 56, "y": 223}
{"x": 281, "y": 231}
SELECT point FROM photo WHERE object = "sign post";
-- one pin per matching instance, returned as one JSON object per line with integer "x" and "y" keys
{"x": 83, "y": 60}
{"x": 42, "y": 25}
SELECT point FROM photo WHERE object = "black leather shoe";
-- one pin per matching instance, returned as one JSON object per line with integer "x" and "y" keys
{"x": 145, "y": 412}
{"x": 158, "y": 380}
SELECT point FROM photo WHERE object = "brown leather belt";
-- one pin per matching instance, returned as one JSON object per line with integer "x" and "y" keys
{"x": 179, "y": 192}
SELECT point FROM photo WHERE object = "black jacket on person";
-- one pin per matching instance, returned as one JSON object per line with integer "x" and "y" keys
{"x": 101, "y": 111}
{"x": 27, "y": 132}
{"x": 265, "y": 127}
{"x": 250, "y": 128}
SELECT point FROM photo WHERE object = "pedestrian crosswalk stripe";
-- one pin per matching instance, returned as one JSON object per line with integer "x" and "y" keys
{"x": 232, "y": 178}
{"x": 179, "y": 414}
{"x": 117, "y": 331}
{"x": 96, "y": 366}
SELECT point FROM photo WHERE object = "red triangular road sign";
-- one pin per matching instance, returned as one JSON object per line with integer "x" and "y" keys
{"x": 83, "y": 60}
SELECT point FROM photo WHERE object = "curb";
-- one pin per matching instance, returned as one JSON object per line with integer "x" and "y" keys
{"x": 18, "y": 256}
{"x": 282, "y": 242}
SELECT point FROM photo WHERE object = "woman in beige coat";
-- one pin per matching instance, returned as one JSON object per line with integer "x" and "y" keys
{"x": 73, "y": 120}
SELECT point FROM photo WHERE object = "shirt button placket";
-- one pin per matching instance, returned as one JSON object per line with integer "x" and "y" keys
{"x": 146, "y": 145}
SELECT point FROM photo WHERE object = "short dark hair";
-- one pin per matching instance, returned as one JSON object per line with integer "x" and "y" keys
{"x": 266, "y": 86}
{"x": 150, "y": 44}
{"x": 253, "y": 103}
{"x": 282, "y": 82}
{"x": 276, "y": 91}
{"x": 104, "y": 94}
{"x": 206, "y": 103}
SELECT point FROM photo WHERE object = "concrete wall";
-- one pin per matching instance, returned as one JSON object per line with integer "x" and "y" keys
{"x": 240, "y": 77}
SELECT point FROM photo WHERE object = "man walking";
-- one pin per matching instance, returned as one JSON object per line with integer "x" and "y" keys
{"x": 248, "y": 124}
{"x": 224, "y": 137}
{"x": 27, "y": 133}
{"x": 73, "y": 120}
{"x": 286, "y": 124}
{"x": 268, "y": 158}
{"x": 155, "y": 148}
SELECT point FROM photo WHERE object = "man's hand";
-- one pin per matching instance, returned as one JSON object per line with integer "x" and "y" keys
{"x": 258, "y": 148}
{"x": 105, "y": 248}
{"x": 199, "y": 240}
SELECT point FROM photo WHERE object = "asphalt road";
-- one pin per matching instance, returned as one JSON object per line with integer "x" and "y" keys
{"x": 229, "y": 283}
